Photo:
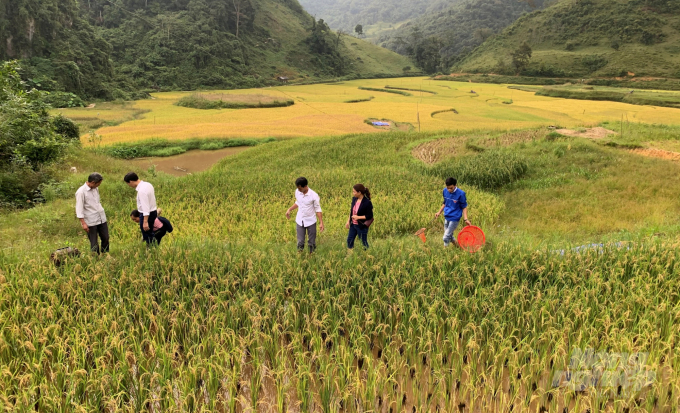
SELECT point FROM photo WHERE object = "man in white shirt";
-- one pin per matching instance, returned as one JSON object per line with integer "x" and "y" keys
{"x": 146, "y": 205}
{"x": 309, "y": 211}
{"x": 91, "y": 214}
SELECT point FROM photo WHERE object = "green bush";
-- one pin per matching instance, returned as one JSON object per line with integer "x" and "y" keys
{"x": 171, "y": 151}
{"x": 199, "y": 102}
{"x": 211, "y": 146}
{"x": 62, "y": 100}
{"x": 19, "y": 187}
{"x": 162, "y": 147}
{"x": 66, "y": 128}
{"x": 487, "y": 170}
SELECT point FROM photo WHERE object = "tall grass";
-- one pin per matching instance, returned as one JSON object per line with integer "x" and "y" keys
{"x": 197, "y": 101}
{"x": 162, "y": 147}
{"x": 490, "y": 169}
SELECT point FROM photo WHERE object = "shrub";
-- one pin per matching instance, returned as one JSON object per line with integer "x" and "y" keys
{"x": 200, "y": 102}
{"x": 593, "y": 63}
{"x": 19, "y": 187}
{"x": 171, "y": 151}
{"x": 62, "y": 100}
{"x": 488, "y": 170}
{"x": 162, "y": 147}
{"x": 66, "y": 128}
{"x": 211, "y": 146}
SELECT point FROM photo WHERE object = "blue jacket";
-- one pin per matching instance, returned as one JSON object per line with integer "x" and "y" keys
{"x": 454, "y": 203}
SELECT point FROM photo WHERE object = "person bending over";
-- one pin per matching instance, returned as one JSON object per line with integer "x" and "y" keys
{"x": 161, "y": 226}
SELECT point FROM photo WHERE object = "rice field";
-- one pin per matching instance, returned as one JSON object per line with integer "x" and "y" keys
{"x": 322, "y": 110}
{"x": 227, "y": 317}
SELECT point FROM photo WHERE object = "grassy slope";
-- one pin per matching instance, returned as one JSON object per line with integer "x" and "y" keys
{"x": 548, "y": 40}
{"x": 227, "y": 289}
{"x": 293, "y": 58}
{"x": 572, "y": 192}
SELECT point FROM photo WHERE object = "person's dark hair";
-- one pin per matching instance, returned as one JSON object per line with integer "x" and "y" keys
{"x": 451, "y": 181}
{"x": 363, "y": 190}
{"x": 131, "y": 176}
{"x": 301, "y": 182}
{"x": 95, "y": 178}
{"x": 134, "y": 213}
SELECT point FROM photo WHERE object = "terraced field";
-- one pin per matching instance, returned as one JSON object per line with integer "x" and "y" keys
{"x": 323, "y": 109}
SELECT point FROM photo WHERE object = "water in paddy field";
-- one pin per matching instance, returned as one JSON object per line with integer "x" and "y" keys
{"x": 189, "y": 162}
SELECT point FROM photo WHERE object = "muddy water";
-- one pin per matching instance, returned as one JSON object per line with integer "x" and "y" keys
{"x": 189, "y": 162}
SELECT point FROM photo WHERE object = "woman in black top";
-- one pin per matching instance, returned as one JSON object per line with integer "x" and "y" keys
{"x": 360, "y": 215}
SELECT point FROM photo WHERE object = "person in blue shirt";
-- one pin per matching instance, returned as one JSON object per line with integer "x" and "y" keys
{"x": 454, "y": 208}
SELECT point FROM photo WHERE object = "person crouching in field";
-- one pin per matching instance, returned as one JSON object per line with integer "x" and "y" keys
{"x": 161, "y": 226}
{"x": 307, "y": 203}
{"x": 454, "y": 208}
{"x": 360, "y": 216}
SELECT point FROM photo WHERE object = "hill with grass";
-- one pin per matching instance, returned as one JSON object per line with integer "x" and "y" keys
{"x": 111, "y": 50}
{"x": 594, "y": 38}
{"x": 459, "y": 28}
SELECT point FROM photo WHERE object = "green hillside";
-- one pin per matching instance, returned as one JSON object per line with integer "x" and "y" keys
{"x": 607, "y": 38}
{"x": 346, "y": 14}
{"x": 461, "y": 27}
{"x": 105, "y": 50}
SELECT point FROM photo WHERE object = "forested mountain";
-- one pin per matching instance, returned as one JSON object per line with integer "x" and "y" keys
{"x": 113, "y": 48}
{"x": 435, "y": 34}
{"x": 607, "y": 38}
{"x": 459, "y": 28}
{"x": 346, "y": 14}
{"x": 58, "y": 45}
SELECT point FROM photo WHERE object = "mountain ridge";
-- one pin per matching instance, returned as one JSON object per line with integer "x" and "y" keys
{"x": 588, "y": 38}
{"x": 105, "y": 49}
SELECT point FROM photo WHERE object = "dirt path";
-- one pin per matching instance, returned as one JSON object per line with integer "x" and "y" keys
{"x": 657, "y": 153}
{"x": 592, "y": 133}
{"x": 600, "y": 133}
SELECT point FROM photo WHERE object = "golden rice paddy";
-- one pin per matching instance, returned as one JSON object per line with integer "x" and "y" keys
{"x": 321, "y": 110}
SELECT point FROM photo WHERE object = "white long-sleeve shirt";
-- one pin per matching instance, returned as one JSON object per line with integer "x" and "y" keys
{"x": 89, "y": 207}
{"x": 146, "y": 198}
{"x": 308, "y": 205}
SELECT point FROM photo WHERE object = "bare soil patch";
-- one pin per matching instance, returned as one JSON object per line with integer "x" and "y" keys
{"x": 591, "y": 133}
{"x": 438, "y": 150}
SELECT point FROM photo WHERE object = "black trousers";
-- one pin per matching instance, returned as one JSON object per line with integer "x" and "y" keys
{"x": 95, "y": 233}
{"x": 158, "y": 235}
{"x": 147, "y": 236}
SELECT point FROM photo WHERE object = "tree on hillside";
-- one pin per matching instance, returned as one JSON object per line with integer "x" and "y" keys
{"x": 339, "y": 34}
{"x": 238, "y": 7}
{"x": 427, "y": 54}
{"x": 359, "y": 29}
{"x": 482, "y": 34}
{"x": 521, "y": 57}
